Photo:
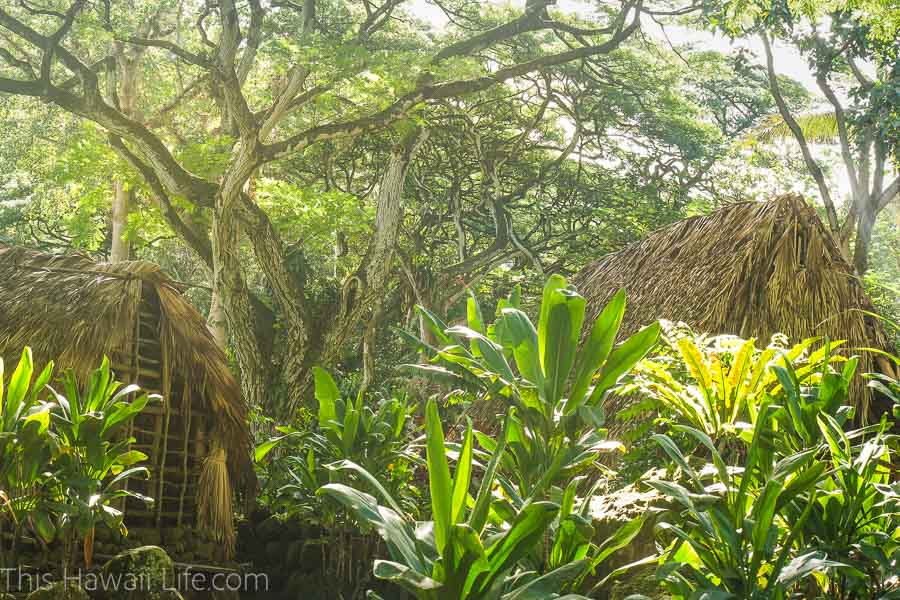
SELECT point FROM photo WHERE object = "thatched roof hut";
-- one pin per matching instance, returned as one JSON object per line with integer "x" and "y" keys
{"x": 74, "y": 311}
{"x": 749, "y": 269}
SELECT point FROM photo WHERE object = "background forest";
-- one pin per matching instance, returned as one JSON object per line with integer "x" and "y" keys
{"x": 401, "y": 160}
{"x": 347, "y": 188}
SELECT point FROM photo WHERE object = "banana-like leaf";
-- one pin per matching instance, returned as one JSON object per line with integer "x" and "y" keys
{"x": 554, "y": 283}
{"x": 389, "y": 525}
{"x": 519, "y": 333}
{"x": 596, "y": 349}
{"x": 438, "y": 476}
{"x": 623, "y": 358}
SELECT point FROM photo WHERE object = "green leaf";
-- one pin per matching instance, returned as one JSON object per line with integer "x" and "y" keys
{"x": 519, "y": 333}
{"x": 524, "y": 534}
{"x": 474, "y": 318}
{"x": 349, "y": 465}
{"x": 804, "y": 565}
{"x": 462, "y": 478}
{"x": 18, "y": 389}
{"x": 554, "y": 283}
{"x": 623, "y": 536}
{"x": 763, "y": 517}
{"x": 480, "y": 511}
{"x": 597, "y": 348}
{"x": 437, "y": 327}
{"x": 547, "y": 586}
{"x": 439, "y": 476}
{"x": 389, "y": 525}
{"x": 351, "y": 425}
{"x": 564, "y": 320}
{"x": 328, "y": 395}
{"x": 266, "y": 447}
{"x": 408, "y": 578}
{"x": 671, "y": 448}
{"x": 623, "y": 358}
{"x": 132, "y": 457}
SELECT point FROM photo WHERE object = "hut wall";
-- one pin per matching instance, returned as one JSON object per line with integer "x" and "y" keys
{"x": 171, "y": 433}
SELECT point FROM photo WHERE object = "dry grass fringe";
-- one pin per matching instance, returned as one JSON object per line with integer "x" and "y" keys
{"x": 215, "y": 504}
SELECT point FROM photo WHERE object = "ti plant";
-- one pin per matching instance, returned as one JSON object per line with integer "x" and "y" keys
{"x": 25, "y": 451}
{"x": 93, "y": 462}
{"x": 556, "y": 387}
{"x": 378, "y": 440}
{"x": 731, "y": 540}
{"x": 857, "y": 515}
{"x": 459, "y": 555}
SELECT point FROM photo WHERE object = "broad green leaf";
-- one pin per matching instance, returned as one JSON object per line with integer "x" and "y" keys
{"x": 597, "y": 348}
{"x": 554, "y": 283}
{"x": 438, "y": 475}
{"x": 349, "y": 465}
{"x": 519, "y": 334}
{"x": 327, "y": 394}
{"x": 385, "y": 521}
{"x": 623, "y": 358}
{"x": 561, "y": 343}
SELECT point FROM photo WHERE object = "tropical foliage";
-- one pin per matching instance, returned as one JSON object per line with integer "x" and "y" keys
{"x": 804, "y": 503}
{"x": 556, "y": 387}
{"x": 63, "y": 460}
{"x": 379, "y": 441}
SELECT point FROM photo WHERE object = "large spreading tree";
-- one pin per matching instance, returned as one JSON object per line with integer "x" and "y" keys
{"x": 269, "y": 82}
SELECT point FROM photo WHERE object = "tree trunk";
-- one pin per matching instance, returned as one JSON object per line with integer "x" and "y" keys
{"x": 121, "y": 206}
{"x": 216, "y": 319}
{"x": 234, "y": 297}
{"x": 125, "y": 86}
{"x": 363, "y": 301}
{"x": 864, "y": 230}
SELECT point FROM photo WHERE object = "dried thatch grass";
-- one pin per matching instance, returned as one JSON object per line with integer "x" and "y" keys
{"x": 74, "y": 311}
{"x": 215, "y": 505}
{"x": 749, "y": 269}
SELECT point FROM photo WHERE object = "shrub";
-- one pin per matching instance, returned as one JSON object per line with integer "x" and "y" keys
{"x": 63, "y": 461}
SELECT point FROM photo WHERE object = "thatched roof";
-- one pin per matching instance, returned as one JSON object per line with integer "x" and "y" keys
{"x": 74, "y": 311}
{"x": 749, "y": 269}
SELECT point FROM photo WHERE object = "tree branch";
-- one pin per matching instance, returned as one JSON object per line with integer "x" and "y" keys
{"x": 188, "y": 57}
{"x": 811, "y": 164}
{"x": 402, "y": 106}
{"x": 197, "y": 241}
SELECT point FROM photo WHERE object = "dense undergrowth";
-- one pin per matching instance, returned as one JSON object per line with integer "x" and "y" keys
{"x": 768, "y": 484}
{"x": 771, "y": 487}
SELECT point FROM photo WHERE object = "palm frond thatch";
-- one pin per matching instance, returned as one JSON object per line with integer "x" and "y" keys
{"x": 74, "y": 311}
{"x": 749, "y": 269}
